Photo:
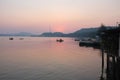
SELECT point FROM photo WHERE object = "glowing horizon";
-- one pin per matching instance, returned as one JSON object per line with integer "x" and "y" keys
{"x": 63, "y": 15}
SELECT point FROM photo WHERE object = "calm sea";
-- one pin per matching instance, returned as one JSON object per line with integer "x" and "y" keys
{"x": 36, "y": 58}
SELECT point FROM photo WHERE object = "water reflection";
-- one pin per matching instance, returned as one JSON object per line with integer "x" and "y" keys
{"x": 44, "y": 58}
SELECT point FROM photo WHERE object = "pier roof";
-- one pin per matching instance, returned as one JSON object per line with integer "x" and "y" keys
{"x": 110, "y": 41}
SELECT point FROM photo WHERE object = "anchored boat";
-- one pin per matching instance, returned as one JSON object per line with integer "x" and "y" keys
{"x": 59, "y": 40}
{"x": 11, "y": 38}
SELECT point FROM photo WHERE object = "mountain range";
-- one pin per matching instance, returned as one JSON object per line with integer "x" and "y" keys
{"x": 17, "y": 34}
{"x": 84, "y": 32}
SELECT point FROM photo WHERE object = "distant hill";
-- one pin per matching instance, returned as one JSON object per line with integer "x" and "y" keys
{"x": 55, "y": 34}
{"x": 84, "y": 32}
{"x": 23, "y": 34}
{"x": 17, "y": 34}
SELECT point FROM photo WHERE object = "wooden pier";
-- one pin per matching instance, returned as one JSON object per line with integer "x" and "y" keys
{"x": 110, "y": 41}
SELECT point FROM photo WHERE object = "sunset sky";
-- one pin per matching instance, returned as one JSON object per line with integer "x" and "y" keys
{"x": 38, "y": 16}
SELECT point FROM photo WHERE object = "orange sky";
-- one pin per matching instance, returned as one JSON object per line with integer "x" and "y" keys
{"x": 62, "y": 15}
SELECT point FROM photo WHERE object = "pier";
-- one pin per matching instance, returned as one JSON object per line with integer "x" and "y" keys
{"x": 110, "y": 44}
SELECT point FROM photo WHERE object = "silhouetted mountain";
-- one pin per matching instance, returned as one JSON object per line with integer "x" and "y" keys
{"x": 23, "y": 34}
{"x": 49, "y": 34}
{"x": 5, "y": 34}
{"x": 17, "y": 34}
{"x": 85, "y": 32}
{"x": 88, "y": 32}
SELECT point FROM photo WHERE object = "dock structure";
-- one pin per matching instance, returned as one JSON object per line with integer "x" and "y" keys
{"x": 93, "y": 44}
{"x": 110, "y": 44}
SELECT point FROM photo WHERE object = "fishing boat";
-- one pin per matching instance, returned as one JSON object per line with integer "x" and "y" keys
{"x": 11, "y": 38}
{"x": 59, "y": 40}
{"x": 21, "y": 38}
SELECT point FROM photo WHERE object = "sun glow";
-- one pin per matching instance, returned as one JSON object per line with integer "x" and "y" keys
{"x": 63, "y": 15}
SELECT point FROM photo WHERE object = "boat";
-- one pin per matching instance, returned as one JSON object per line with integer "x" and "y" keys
{"x": 11, "y": 38}
{"x": 21, "y": 38}
{"x": 59, "y": 40}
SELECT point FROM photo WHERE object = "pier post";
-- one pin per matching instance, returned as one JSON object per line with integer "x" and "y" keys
{"x": 107, "y": 70}
{"x": 114, "y": 68}
{"x": 119, "y": 40}
{"x": 102, "y": 74}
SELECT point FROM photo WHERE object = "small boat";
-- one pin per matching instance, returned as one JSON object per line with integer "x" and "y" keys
{"x": 59, "y": 40}
{"x": 21, "y": 38}
{"x": 11, "y": 38}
